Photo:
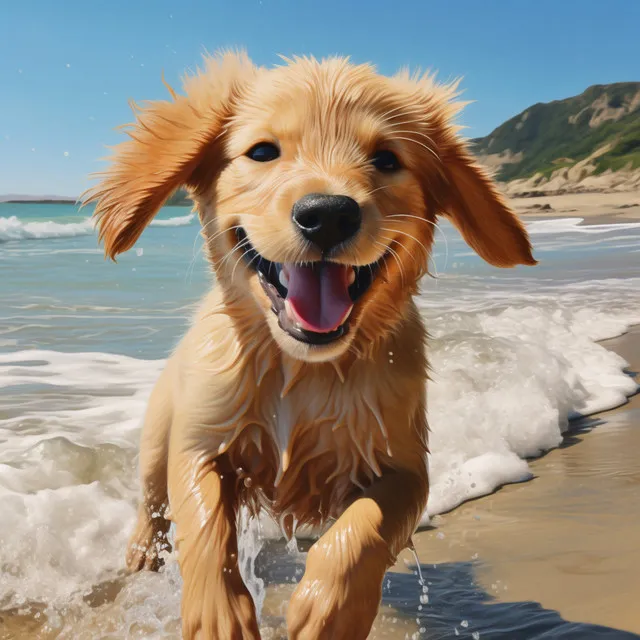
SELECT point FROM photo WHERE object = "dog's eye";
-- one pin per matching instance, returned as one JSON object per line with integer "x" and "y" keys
{"x": 386, "y": 161}
{"x": 263, "y": 152}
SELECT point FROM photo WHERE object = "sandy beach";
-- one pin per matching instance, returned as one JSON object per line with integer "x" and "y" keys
{"x": 595, "y": 208}
{"x": 569, "y": 538}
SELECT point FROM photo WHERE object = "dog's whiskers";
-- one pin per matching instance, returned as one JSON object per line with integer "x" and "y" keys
{"x": 195, "y": 254}
{"x": 408, "y": 111}
{"x": 433, "y": 224}
{"x": 240, "y": 245}
{"x": 395, "y": 256}
{"x": 418, "y": 133}
{"x": 202, "y": 234}
{"x": 381, "y": 188}
{"x": 412, "y": 237}
{"x": 424, "y": 146}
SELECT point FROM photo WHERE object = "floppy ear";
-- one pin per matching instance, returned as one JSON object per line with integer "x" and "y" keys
{"x": 172, "y": 143}
{"x": 454, "y": 183}
{"x": 474, "y": 205}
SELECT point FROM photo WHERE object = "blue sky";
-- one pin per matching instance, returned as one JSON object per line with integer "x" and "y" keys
{"x": 68, "y": 67}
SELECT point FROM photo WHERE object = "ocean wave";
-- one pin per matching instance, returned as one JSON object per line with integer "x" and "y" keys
{"x": 12, "y": 228}
{"x": 505, "y": 383}
{"x": 574, "y": 225}
{"x": 178, "y": 221}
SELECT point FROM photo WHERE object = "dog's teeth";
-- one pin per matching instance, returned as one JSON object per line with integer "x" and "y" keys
{"x": 351, "y": 278}
{"x": 283, "y": 278}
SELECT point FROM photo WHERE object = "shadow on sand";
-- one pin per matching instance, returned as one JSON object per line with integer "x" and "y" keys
{"x": 454, "y": 597}
{"x": 457, "y": 607}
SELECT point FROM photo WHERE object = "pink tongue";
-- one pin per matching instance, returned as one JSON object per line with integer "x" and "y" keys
{"x": 318, "y": 295}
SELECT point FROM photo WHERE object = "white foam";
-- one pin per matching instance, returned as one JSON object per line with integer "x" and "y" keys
{"x": 504, "y": 386}
{"x": 68, "y": 484}
{"x": 505, "y": 382}
{"x": 12, "y": 228}
{"x": 574, "y": 225}
{"x": 178, "y": 221}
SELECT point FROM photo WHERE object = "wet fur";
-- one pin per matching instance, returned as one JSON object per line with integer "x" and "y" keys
{"x": 244, "y": 414}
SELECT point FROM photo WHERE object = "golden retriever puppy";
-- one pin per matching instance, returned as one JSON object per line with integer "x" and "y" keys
{"x": 300, "y": 387}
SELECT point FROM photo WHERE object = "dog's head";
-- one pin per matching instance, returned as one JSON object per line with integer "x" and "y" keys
{"x": 318, "y": 186}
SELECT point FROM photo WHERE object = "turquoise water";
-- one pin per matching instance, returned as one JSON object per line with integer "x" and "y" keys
{"x": 82, "y": 340}
{"x": 61, "y": 293}
{"x": 70, "y": 298}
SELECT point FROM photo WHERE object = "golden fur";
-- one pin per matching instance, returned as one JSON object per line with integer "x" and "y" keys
{"x": 246, "y": 414}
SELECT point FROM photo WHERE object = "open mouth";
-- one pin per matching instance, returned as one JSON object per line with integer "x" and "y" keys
{"x": 312, "y": 301}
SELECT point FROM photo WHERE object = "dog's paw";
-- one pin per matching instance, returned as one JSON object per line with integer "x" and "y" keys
{"x": 225, "y": 612}
{"x": 148, "y": 540}
{"x": 335, "y": 605}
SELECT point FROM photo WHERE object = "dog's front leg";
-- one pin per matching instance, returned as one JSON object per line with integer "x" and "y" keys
{"x": 216, "y": 604}
{"x": 340, "y": 592}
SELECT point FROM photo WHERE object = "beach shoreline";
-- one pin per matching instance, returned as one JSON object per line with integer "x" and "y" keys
{"x": 567, "y": 539}
{"x": 594, "y": 208}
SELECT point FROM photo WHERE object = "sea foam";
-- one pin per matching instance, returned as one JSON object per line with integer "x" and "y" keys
{"x": 505, "y": 383}
{"x": 13, "y": 228}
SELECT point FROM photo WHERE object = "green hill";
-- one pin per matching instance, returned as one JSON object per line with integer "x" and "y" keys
{"x": 550, "y": 136}
{"x": 179, "y": 198}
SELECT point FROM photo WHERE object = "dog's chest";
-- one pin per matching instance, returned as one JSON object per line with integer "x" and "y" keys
{"x": 320, "y": 440}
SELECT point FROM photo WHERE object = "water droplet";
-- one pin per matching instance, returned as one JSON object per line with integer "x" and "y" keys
{"x": 139, "y": 251}
{"x": 66, "y": 154}
{"x": 475, "y": 635}
{"x": 424, "y": 598}
{"x": 68, "y": 66}
{"x": 440, "y": 535}
{"x": 464, "y": 623}
{"x": 248, "y": 482}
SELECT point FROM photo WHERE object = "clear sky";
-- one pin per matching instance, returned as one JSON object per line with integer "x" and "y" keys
{"x": 68, "y": 67}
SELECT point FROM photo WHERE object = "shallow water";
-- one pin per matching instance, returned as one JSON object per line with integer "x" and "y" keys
{"x": 82, "y": 341}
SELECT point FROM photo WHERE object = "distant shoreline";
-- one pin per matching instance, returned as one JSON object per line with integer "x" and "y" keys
{"x": 38, "y": 201}
{"x": 73, "y": 202}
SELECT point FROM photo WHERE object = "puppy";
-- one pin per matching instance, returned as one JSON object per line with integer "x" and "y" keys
{"x": 300, "y": 387}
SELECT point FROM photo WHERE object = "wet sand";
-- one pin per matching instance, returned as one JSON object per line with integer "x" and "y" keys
{"x": 570, "y": 538}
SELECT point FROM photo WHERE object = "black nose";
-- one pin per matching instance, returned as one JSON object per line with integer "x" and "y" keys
{"x": 327, "y": 220}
